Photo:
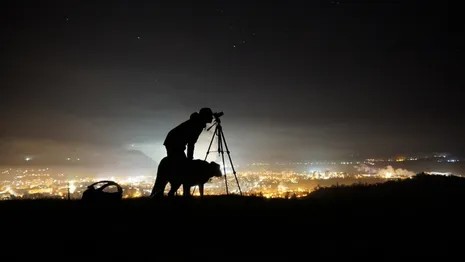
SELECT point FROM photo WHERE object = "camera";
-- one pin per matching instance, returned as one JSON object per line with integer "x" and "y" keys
{"x": 217, "y": 115}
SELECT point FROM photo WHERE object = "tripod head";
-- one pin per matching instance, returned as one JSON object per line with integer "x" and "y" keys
{"x": 216, "y": 116}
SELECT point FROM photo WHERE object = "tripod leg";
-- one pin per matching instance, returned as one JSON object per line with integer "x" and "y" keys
{"x": 208, "y": 150}
{"x": 220, "y": 149}
{"x": 211, "y": 142}
{"x": 201, "y": 191}
{"x": 230, "y": 160}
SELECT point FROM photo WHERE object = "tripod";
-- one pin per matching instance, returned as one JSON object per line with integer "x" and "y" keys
{"x": 221, "y": 140}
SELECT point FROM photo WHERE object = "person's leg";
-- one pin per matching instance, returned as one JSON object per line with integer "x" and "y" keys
{"x": 177, "y": 161}
{"x": 174, "y": 188}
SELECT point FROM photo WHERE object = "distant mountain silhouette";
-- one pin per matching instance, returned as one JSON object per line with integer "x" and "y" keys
{"x": 129, "y": 159}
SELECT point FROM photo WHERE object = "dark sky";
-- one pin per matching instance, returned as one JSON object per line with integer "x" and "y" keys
{"x": 295, "y": 79}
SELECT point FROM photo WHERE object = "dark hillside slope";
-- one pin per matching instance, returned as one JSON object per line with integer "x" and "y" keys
{"x": 419, "y": 217}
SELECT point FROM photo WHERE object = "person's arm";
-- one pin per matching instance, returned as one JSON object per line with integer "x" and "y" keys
{"x": 190, "y": 150}
{"x": 191, "y": 143}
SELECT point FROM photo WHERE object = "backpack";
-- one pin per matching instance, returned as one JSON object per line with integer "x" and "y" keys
{"x": 96, "y": 194}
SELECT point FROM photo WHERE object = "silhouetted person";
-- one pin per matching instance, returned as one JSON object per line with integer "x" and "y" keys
{"x": 184, "y": 135}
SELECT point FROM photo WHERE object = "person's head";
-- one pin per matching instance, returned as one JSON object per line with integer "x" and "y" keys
{"x": 206, "y": 115}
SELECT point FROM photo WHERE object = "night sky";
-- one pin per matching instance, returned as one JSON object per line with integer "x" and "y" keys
{"x": 295, "y": 79}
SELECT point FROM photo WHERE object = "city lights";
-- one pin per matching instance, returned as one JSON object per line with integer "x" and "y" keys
{"x": 46, "y": 183}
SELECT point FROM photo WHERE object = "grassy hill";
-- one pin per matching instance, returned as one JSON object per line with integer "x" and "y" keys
{"x": 420, "y": 217}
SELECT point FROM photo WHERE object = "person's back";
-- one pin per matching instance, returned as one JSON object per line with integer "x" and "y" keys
{"x": 185, "y": 133}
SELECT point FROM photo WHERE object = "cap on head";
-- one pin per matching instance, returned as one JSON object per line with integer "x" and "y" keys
{"x": 206, "y": 115}
{"x": 206, "y": 111}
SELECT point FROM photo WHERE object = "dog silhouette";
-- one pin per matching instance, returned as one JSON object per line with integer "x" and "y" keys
{"x": 194, "y": 173}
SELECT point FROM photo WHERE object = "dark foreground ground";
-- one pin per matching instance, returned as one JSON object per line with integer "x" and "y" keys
{"x": 411, "y": 219}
